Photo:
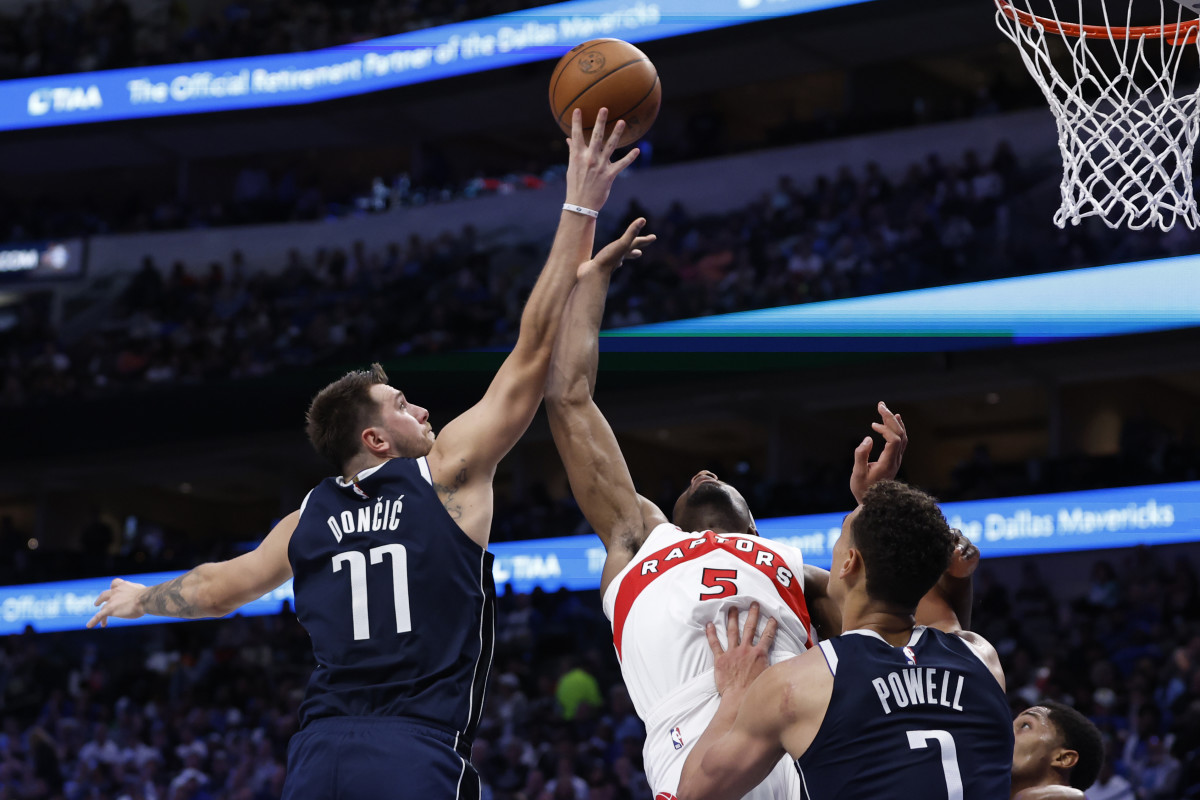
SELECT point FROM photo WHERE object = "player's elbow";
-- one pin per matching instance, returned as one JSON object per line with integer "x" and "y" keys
{"x": 688, "y": 789}
{"x": 214, "y": 594}
{"x": 211, "y": 602}
{"x": 691, "y": 783}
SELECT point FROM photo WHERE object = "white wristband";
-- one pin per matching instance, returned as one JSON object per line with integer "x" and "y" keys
{"x": 587, "y": 212}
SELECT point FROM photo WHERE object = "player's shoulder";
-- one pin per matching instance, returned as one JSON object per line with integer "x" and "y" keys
{"x": 978, "y": 646}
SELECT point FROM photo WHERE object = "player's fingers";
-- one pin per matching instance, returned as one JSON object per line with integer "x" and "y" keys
{"x": 889, "y": 434}
{"x": 862, "y": 453}
{"x": 731, "y": 627}
{"x": 751, "y": 624}
{"x": 103, "y": 597}
{"x": 714, "y": 643}
{"x": 625, "y": 160}
{"x": 576, "y": 126}
{"x": 598, "y": 129}
{"x": 631, "y": 233}
{"x": 614, "y": 138}
{"x": 768, "y": 635}
{"x": 968, "y": 548}
{"x": 99, "y": 616}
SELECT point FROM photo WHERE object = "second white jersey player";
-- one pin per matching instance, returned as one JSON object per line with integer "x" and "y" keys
{"x": 659, "y": 605}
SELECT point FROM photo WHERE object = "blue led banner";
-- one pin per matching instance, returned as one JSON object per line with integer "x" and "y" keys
{"x": 386, "y": 63}
{"x": 1102, "y": 301}
{"x": 31, "y": 262}
{"x": 1105, "y": 518}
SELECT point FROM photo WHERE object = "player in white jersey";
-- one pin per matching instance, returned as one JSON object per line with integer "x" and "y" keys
{"x": 662, "y": 582}
{"x": 659, "y": 605}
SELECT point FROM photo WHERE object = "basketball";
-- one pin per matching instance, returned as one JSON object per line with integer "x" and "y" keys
{"x": 606, "y": 73}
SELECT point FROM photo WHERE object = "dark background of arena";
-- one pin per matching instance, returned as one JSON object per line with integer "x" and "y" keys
{"x": 151, "y": 413}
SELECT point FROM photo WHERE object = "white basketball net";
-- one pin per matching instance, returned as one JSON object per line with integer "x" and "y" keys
{"x": 1125, "y": 135}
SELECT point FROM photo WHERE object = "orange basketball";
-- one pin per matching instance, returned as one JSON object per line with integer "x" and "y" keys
{"x": 606, "y": 73}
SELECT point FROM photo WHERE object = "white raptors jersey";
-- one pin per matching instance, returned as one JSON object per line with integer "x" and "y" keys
{"x": 659, "y": 606}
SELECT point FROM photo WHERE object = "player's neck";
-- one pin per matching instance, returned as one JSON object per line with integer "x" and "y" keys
{"x": 895, "y": 626}
{"x": 360, "y": 463}
{"x": 1044, "y": 787}
{"x": 1022, "y": 782}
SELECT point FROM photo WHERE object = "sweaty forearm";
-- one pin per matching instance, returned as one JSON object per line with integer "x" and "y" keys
{"x": 697, "y": 782}
{"x": 577, "y": 349}
{"x": 187, "y": 596}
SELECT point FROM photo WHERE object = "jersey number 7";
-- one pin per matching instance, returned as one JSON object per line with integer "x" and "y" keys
{"x": 919, "y": 740}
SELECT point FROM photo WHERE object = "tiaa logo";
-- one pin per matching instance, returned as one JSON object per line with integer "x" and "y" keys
{"x": 64, "y": 98}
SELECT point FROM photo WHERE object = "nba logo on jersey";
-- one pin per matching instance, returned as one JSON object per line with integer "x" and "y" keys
{"x": 677, "y": 738}
{"x": 910, "y": 656}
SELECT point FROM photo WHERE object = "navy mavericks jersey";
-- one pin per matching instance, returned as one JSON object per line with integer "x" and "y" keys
{"x": 928, "y": 721}
{"x": 398, "y": 601}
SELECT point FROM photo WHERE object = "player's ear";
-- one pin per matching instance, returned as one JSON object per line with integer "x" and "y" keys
{"x": 376, "y": 443}
{"x": 1065, "y": 759}
{"x": 851, "y": 564}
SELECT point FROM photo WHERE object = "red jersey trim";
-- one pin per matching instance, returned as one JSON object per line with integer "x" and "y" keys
{"x": 636, "y": 580}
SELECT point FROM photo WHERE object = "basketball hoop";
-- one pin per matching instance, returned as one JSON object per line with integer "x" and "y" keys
{"x": 1125, "y": 135}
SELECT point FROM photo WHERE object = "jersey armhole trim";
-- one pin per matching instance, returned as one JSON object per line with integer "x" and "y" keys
{"x": 304, "y": 505}
{"x": 831, "y": 657}
{"x": 423, "y": 465}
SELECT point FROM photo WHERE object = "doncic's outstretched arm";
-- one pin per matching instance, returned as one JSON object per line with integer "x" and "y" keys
{"x": 464, "y": 457}
{"x": 596, "y": 469}
{"x": 209, "y": 590}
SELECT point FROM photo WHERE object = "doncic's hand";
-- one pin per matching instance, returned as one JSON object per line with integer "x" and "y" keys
{"x": 627, "y": 248}
{"x": 590, "y": 168}
{"x": 123, "y": 599}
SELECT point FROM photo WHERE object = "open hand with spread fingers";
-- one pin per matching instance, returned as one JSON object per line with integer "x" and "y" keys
{"x": 590, "y": 168}
{"x": 745, "y": 659}
{"x": 895, "y": 439}
{"x": 616, "y": 252}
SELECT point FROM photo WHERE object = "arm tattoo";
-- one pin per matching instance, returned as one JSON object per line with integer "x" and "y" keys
{"x": 447, "y": 494}
{"x": 167, "y": 600}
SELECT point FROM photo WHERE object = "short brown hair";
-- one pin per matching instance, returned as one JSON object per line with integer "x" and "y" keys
{"x": 904, "y": 541}
{"x": 339, "y": 413}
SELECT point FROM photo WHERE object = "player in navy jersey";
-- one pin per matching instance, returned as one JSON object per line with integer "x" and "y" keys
{"x": 889, "y": 710}
{"x": 392, "y": 576}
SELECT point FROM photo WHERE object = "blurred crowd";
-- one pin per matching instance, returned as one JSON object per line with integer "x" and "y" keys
{"x": 46, "y": 37}
{"x": 845, "y": 235}
{"x": 203, "y": 711}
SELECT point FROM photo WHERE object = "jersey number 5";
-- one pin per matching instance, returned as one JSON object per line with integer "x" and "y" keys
{"x": 919, "y": 740}
{"x": 720, "y": 579}
{"x": 358, "y": 585}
